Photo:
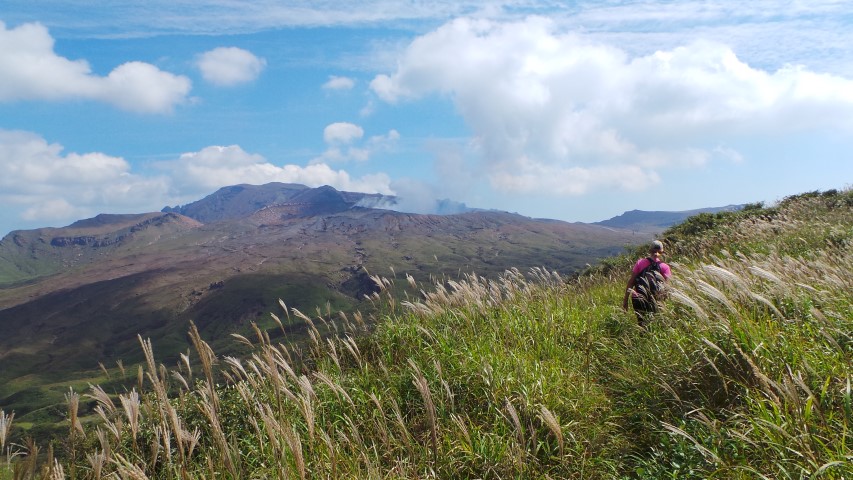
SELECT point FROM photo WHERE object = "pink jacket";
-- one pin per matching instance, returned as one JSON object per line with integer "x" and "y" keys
{"x": 642, "y": 264}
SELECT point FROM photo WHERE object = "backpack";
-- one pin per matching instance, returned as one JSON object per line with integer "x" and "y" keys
{"x": 649, "y": 283}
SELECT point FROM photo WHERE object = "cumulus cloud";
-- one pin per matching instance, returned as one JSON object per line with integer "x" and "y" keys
{"x": 344, "y": 143}
{"x": 342, "y": 133}
{"x": 559, "y": 112}
{"x": 43, "y": 183}
{"x": 29, "y": 161}
{"x": 230, "y": 66}
{"x": 218, "y": 166}
{"x": 339, "y": 83}
{"x": 142, "y": 87}
{"x": 33, "y": 71}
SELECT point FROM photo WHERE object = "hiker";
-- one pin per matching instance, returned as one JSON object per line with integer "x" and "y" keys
{"x": 647, "y": 283}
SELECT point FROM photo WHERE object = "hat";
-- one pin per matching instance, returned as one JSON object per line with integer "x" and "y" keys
{"x": 656, "y": 246}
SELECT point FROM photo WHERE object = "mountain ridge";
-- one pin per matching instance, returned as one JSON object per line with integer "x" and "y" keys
{"x": 652, "y": 221}
{"x": 238, "y": 201}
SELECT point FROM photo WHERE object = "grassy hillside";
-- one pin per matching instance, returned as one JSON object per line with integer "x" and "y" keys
{"x": 745, "y": 374}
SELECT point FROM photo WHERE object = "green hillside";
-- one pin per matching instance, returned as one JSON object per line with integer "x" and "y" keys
{"x": 746, "y": 373}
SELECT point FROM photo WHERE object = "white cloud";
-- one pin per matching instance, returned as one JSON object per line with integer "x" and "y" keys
{"x": 344, "y": 143}
{"x": 33, "y": 71}
{"x": 28, "y": 162}
{"x": 339, "y": 83}
{"x": 368, "y": 109}
{"x": 142, "y": 87}
{"x": 43, "y": 184}
{"x": 342, "y": 133}
{"x": 561, "y": 113}
{"x": 392, "y": 136}
{"x": 537, "y": 178}
{"x": 217, "y": 166}
{"x": 230, "y": 66}
{"x": 52, "y": 209}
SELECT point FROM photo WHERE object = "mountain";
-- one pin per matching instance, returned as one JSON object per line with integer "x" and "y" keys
{"x": 657, "y": 221}
{"x": 239, "y": 201}
{"x": 74, "y": 297}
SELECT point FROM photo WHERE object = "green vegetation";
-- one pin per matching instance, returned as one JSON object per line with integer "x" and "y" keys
{"x": 745, "y": 374}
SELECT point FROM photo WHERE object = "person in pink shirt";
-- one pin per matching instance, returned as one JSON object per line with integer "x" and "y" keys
{"x": 646, "y": 284}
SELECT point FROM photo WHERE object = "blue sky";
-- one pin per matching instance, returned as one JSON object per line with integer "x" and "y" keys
{"x": 571, "y": 110}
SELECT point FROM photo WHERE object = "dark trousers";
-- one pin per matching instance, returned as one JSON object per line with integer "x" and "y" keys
{"x": 644, "y": 309}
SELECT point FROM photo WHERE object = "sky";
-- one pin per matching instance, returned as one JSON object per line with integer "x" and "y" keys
{"x": 571, "y": 110}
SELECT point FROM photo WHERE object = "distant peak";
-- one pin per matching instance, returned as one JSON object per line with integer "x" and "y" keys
{"x": 657, "y": 221}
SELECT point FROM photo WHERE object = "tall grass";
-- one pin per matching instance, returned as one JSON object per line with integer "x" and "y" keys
{"x": 746, "y": 373}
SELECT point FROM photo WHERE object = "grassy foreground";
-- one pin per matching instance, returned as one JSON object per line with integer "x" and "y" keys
{"x": 745, "y": 374}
